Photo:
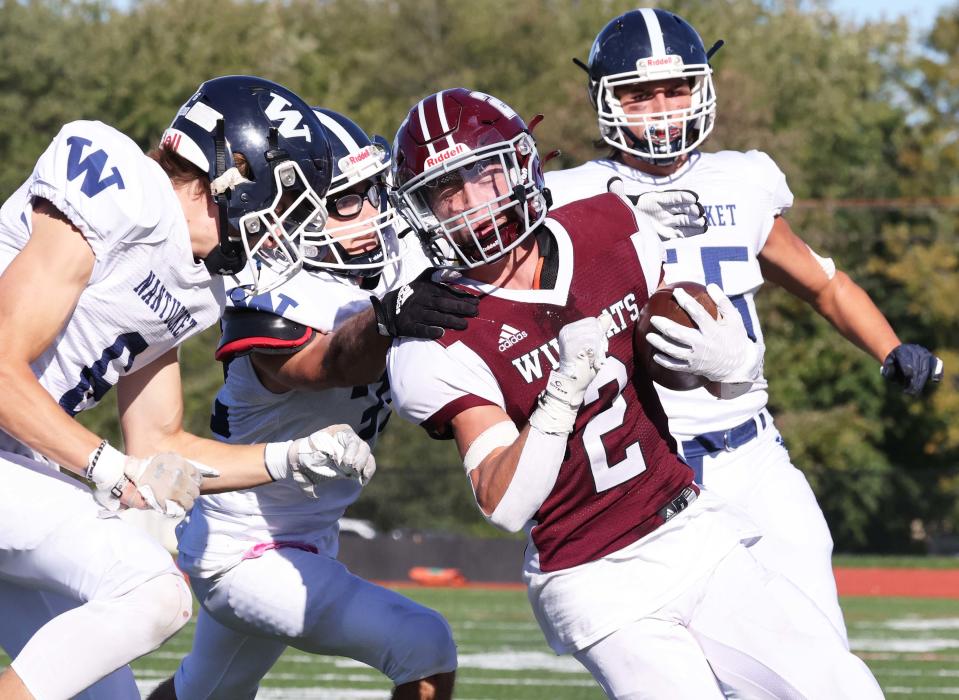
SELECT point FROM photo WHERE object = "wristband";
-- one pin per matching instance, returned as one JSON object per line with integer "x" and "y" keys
{"x": 105, "y": 466}
{"x": 555, "y": 413}
{"x": 276, "y": 457}
{"x": 379, "y": 314}
{"x": 92, "y": 459}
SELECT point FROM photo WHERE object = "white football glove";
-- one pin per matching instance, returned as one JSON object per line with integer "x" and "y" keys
{"x": 582, "y": 352}
{"x": 668, "y": 213}
{"x": 718, "y": 349}
{"x": 336, "y": 452}
{"x": 166, "y": 482}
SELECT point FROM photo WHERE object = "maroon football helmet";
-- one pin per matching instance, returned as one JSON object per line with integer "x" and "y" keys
{"x": 468, "y": 178}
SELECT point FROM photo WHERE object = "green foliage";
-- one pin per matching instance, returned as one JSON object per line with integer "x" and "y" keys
{"x": 836, "y": 448}
{"x": 849, "y": 111}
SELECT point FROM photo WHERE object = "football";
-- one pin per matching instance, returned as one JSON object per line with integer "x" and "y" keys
{"x": 662, "y": 303}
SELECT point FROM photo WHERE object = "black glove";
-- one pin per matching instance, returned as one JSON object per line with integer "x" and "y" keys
{"x": 423, "y": 308}
{"x": 912, "y": 366}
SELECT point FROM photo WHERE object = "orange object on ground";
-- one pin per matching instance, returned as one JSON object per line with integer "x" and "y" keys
{"x": 434, "y": 576}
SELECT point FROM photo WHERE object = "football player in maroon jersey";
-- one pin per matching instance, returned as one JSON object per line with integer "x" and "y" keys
{"x": 632, "y": 568}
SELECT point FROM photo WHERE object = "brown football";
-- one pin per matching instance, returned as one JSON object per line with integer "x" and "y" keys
{"x": 662, "y": 303}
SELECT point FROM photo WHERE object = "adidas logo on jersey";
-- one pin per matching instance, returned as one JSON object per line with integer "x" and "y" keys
{"x": 530, "y": 364}
{"x": 509, "y": 336}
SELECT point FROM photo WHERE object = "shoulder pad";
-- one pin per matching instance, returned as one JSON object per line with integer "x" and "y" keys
{"x": 245, "y": 331}
{"x": 770, "y": 177}
{"x": 586, "y": 180}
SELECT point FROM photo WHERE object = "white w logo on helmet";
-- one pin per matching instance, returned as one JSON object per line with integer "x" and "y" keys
{"x": 290, "y": 118}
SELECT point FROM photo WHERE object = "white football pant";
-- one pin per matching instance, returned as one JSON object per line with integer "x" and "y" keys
{"x": 291, "y": 597}
{"x": 759, "y": 479}
{"x": 740, "y": 631}
{"x": 82, "y": 595}
{"x": 25, "y": 611}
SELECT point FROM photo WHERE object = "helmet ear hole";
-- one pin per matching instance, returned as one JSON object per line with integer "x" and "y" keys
{"x": 242, "y": 164}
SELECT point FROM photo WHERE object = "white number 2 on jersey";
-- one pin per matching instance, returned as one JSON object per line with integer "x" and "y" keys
{"x": 607, "y": 475}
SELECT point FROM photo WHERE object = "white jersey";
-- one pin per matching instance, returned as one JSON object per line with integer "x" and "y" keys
{"x": 221, "y": 528}
{"x": 742, "y": 194}
{"x": 146, "y": 294}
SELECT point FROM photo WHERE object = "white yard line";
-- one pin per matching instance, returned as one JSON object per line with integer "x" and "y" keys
{"x": 902, "y": 646}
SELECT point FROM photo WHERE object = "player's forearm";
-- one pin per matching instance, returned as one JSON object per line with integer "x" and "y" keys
{"x": 240, "y": 466}
{"x": 29, "y": 414}
{"x": 356, "y": 354}
{"x": 353, "y": 355}
{"x": 847, "y": 307}
{"x": 520, "y": 478}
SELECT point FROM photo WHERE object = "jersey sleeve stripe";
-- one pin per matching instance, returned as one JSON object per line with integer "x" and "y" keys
{"x": 438, "y": 425}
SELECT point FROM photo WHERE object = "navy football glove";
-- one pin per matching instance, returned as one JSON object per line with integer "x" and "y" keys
{"x": 423, "y": 308}
{"x": 912, "y": 366}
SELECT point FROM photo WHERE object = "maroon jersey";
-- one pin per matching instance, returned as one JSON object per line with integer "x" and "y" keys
{"x": 620, "y": 467}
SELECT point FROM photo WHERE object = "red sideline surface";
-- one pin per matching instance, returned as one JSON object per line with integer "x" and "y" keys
{"x": 909, "y": 583}
{"x": 476, "y": 585}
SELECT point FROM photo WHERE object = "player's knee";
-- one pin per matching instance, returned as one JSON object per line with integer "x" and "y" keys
{"x": 164, "y": 606}
{"x": 424, "y": 648}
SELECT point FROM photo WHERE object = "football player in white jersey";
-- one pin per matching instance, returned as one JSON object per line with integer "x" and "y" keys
{"x": 263, "y": 562}
{"x": 631, "y": 567}
{"x": 651, "y": 84}
{"x": 111, "y": 259}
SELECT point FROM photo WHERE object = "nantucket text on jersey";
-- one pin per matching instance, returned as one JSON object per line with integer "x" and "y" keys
{"x": 174, "y": 314}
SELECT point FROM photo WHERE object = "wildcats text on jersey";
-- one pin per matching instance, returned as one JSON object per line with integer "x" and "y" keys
{"x": 174, "y": 315}
{"x": 529, "y": 365}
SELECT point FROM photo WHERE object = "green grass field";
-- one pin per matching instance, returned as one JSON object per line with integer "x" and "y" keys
{"x": 912, "y": 645}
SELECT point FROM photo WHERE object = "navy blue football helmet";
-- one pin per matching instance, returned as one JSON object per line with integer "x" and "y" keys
{"x": 643, "y": 46}
{"x": 352, "y": 245}
{"x": 262, "y": 213}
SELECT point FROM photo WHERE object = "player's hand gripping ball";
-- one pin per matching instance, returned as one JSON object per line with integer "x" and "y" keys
{"x": 662, "y": 303}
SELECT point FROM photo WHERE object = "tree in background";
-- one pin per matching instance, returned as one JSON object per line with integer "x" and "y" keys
{"x": 850, "y": 112}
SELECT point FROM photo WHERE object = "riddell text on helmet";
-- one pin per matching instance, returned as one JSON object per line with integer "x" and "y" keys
{"x": 455, "y": 150}
{"x": 361, "y": 156}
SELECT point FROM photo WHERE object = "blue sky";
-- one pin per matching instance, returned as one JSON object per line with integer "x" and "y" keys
{"x": 921, "y": 12}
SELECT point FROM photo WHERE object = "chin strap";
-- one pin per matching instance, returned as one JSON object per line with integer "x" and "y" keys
{"x": 228, "y": 257}
{"x": 634, "y": 140}
{"x": 374, "y": 257}
{"x": 638, "y": 143}
{"x": 220, "y": 262}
